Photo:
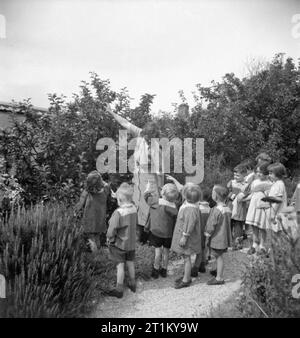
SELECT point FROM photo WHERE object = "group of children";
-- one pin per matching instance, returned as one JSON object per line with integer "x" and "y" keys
{"x": 181, "y": 220}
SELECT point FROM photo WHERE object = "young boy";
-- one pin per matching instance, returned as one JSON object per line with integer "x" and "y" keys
{"x": 218, "y": 234}
{"x": 161, "y": 224}
{"x": 121, "y": 237}
{"x": 200, "y": 261}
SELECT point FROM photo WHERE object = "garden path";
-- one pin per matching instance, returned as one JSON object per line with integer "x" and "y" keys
{"x": 158, "y": 298}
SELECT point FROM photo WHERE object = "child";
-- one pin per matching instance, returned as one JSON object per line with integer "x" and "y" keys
{"x": 249, "y": 178}
{"x": 161, "y": 224}
{"x": 237, "y": 188}
{"x": 121, "y": 237}
{"x": 256, "y": 217}
{"x": 187, "y": 234}
{"x": 277, "y": 172}
{"x": 218, "y": 232}
{"x": 93, "y": 201}
{"x": 200, "y": 261}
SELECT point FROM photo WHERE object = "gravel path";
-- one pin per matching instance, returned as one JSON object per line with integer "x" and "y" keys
{"x": 159, "y": 299}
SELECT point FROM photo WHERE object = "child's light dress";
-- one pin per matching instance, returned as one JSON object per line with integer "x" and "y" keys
{"x": 256, "y": 216}
{"x": 277, "y": 190}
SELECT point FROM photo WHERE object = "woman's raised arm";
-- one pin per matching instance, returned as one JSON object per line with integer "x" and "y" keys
{"x": 135, "y": 131}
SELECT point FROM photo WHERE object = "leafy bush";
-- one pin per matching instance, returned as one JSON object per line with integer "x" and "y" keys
{"x": 268, "y": 281}
{"x": 45, "y": 267}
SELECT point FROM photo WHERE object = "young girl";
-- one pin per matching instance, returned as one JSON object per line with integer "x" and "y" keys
{"x": 278, "y": 193}
{"x": 93, "y": 202}
{"x": 200, "y": 261}
{"x": 121, "y": 236}
{"x": 161, "y": 224}
{"x": 237, "y": 188}
{"x": 218, "y": 232}
{"x": 256, "y": 217}
{"x": 187, "y": 234}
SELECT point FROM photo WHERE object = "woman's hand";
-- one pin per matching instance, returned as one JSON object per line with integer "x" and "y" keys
{"x": 170, "y": 178}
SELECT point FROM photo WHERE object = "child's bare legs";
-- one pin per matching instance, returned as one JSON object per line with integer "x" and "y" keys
{"x": 263, "y": 238}
{"x": 220, "y": 267}
{"x": 131, "y": 272}
{"x": 120, "y": 275}
{"x": 157, "y": 258}
{"x": 187, "y": 269}
{"x": 255, "y": 237}
{"x": 198, "y": 260}
{"x": 165, "y": 258}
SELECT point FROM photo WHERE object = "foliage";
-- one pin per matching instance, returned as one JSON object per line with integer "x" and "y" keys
{"x": 243, "y": 117}
{"x": 268, "y": 281}
{"x": 42, "y": 259}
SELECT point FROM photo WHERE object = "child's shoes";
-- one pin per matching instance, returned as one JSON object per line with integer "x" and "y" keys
{"x": 178, "y": 280}
{"x": 115, "y": 293}
{"x": 163, "y": 272}
{"x": 132, "y": 286}
{"x": 182, "y": 284}
{"x": 214, "y": 281}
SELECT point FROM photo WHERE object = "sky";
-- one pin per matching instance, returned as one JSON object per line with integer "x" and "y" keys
{"x": 155, "y": 47}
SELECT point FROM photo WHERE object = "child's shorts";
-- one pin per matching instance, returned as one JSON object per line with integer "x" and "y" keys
{"x": 217, "y": 252}
{"x": 120, "y": 256}
{"x": 158, "y": 242}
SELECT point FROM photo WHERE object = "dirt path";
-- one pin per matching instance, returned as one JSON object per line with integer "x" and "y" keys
{"x": 158, "y": 298}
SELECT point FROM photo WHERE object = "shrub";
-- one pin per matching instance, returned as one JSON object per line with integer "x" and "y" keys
{"x": 268, "y": 281}
{"x": 45, "y": 267}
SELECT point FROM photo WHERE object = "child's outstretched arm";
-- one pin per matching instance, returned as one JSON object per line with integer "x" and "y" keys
{"x": 135, "y": 131}
{"x": 179, "y": 186}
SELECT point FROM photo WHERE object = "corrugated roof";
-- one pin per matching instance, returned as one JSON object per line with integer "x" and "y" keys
{"x": 9, "y": 107}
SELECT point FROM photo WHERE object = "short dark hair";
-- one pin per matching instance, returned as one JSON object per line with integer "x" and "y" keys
{"x": 221, "y": 191}
{"x": 249, "y": 163}
{"x": 240, "y": 168}
{"x": 278, "y": 169}
{"x": 263, "y": 157}
{"x": 94, "y": 182}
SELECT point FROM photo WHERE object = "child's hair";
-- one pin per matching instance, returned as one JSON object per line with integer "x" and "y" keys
{"x": 221, "y": 192}
{"x": 264, "y": 168}
{"x": 206, "y": 194}
{"x": 192, "y": 193}
{"x": 125, "y": 192}
{"x": 94, "y": 182}
{"x": 249, "y": 163}
{"x": 264, "y": 157}
{"x": 241, "y": 169}
{"x": 278, "y": 169}
{"x": 151, "y": 130}
{"x": 170, "y": 192}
